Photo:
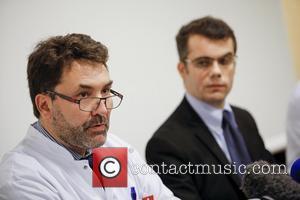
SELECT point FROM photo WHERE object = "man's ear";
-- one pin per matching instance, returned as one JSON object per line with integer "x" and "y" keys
{"x": 44, "y": 105}
{"x": 182, "y": 69}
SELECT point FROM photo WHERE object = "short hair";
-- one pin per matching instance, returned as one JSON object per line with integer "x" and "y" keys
{"x": 210, "y": 27}
{"x": 50, "y": 57}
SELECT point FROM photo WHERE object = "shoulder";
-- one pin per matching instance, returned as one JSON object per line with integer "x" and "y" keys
{"x": 294, "y": 101}
{"x": 17, "y": 164}
{"x": 115, "y": 141}
{"x": 238, "y": 109}
{"x": 20, "y": 174}
{"x": 245, "y": 120}
{"x": 240, "y": 112}
{"x": 179, "y": 129}
{"x": 177, "y": 121}
{"x": 296, "y": 92}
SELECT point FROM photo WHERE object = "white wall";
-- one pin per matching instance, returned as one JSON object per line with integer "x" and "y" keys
{"x": 140, "y": 37}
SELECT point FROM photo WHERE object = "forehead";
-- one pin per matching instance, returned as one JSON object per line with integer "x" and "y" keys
{"x": 199, "y": 45}
{"x": 87, "y": 73}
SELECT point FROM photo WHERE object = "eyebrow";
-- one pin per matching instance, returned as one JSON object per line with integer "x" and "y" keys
{"x": 83, "y": 86}
{"x": 227, "y": 54}
{"x": 207, "y": 57}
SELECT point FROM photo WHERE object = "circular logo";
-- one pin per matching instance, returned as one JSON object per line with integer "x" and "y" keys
{"x": 110, "y": 167}
{"x": 295, "y": 170}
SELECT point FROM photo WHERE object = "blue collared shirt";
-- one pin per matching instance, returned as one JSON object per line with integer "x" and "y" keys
{"x": 212, "y": 117}
{"x": 37, "y": 125}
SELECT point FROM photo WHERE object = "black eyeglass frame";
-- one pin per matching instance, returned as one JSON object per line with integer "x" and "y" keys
{"x": 77, "y": 101}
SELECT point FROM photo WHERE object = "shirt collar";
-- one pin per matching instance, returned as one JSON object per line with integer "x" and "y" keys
{"x": 38, "y": 126}
{"x": 211, "y": 116}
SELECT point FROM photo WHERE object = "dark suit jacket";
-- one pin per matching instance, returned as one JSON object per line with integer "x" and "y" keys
{"x": 184, "y": 138}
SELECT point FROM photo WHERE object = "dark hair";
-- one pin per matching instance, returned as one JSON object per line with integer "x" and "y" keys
{"x": 50, "y": 57}
{"x": 210, "y": 27}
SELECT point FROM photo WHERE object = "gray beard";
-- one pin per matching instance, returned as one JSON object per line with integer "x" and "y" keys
{"x": 78, "y": 136}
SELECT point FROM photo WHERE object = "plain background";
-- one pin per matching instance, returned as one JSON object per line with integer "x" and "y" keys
{"x": 140, "y": 36}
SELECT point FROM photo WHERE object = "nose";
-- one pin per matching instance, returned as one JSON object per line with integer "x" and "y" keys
{"x": 101, "y": 109}
{"x": 216, "y": 71}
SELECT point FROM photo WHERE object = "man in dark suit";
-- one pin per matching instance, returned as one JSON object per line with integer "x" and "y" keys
{"x": 205, "y": 130}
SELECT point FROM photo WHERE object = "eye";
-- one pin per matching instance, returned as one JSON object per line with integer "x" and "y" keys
{"x": 106, "y": 91}
{"x": 83, "y": 94}
{"x": 226, "y": 60}
{"x": 203, "y": 62}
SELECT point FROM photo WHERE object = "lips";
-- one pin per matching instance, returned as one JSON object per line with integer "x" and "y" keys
{"x": 98, "y": 127}
{"x": 216, "y": 85}
{"x": 96, "y": 122}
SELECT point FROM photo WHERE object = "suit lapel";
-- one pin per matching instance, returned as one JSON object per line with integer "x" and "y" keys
{"x": 201, "y": 132}
{"x": 209, "y": 141}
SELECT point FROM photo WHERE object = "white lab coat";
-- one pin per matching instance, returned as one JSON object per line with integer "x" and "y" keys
{"x": 41, "y": 169}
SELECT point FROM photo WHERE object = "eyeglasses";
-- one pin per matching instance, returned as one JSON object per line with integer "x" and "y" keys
{"x": 206, "y": 62}
{"x": 89, "y": 104}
